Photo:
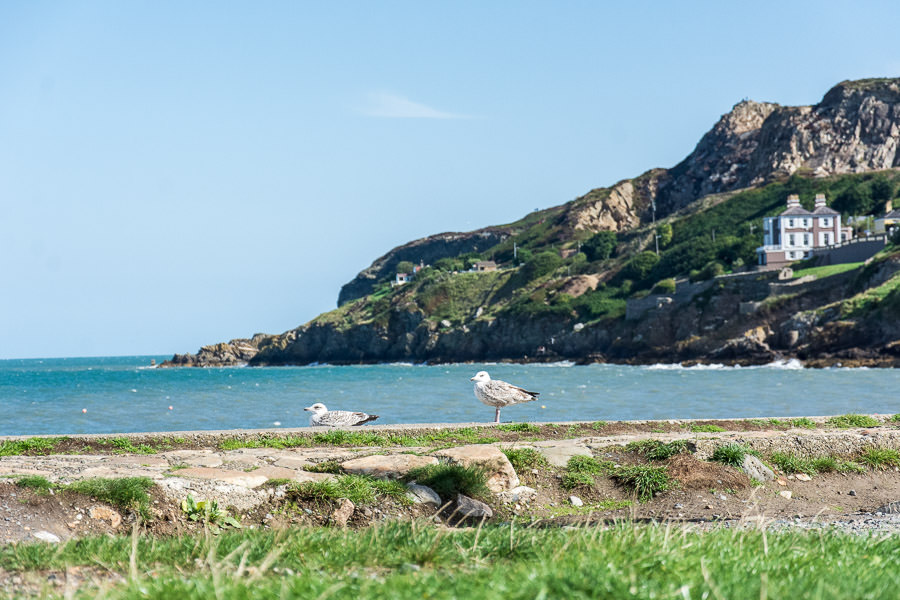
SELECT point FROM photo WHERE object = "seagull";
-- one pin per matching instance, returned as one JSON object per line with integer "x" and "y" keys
{"x": 498, "y": 394}
{"x": 336, "y": 418}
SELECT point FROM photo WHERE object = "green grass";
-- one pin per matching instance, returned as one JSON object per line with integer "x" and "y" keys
{"x": 895, "y": 419}
{"x": 39, "y": 484}
{"x": 791, "y": 463}
{"x": 848, "y": 421}
{"x": 730, "y": 454}
{"x": 646, "y": 481}
{"x": 402, "y": 561}
{"x": 124, "y": 445}
{"x": 803, "y": 423}
{"x": 360, "y": 489}
{"x": 881, "y": 458}
{"x": 657, "y": 450}
{"x": 449, "y": 480}
{"x": 707, "y": 429}
{"x": 524, "y": 459}
{"x": 827, "y": 270}
{"x": 519, "y": 427}
{"x": 129, "y": 493}
{"x": 327, "y": 466}
{"x": 31, "y": 446}
{"x": 344, "y": 438}
{"x": 601, "y": 506}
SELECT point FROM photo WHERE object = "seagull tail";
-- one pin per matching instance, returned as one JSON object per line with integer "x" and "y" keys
{"x": 367, "y": 419}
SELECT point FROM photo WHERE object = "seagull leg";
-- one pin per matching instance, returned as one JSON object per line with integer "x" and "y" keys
{"x": 497, "y": 416}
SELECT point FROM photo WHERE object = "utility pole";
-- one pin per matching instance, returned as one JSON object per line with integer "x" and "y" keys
{"x": 655, "y": 233}
{"x": 515, "y": 252}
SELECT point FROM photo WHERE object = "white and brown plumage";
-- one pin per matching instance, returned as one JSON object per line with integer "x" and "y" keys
{"x": 336, "y": 418}
{"x": 498, "y": 394}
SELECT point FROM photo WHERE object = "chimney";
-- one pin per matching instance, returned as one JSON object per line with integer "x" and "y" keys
{"x": 793, "y": 201}
{"x": 820, "y": 200}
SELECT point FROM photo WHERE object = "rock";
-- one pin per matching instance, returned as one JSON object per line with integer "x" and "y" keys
{"x": 892, "y": 508}
{"x": 46, "y": 536}
{"x": 785, "y": 494}
{"x": 392, "y": 466}
{"x": 343, "y": 513}
{"x": 501, "y": 475}
{"x": 523, "y": 493}
{"x": 852, "y": 492}
{"x": 105, "y": 513}
{"x": 576, "y": 501}
{"x": 472, "y": 509}
{"x": 803, "y": 477}
{"x": 755, "y": 468}
{"x": 422, "y": 494}
{"x": 559, "y": 453}
{"x": 248, "y": 480}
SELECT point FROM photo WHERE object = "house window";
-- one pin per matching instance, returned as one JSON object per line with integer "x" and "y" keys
{"x": 806, "y": 239}
{"x": 790, "y": 222}
{"x": 791, "y": 240}
{"x": 806, "y": 222}
{"x": 827, "y": 239}
{"x": 826, "y": 222}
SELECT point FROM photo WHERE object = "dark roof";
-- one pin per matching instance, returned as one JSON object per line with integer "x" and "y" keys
{"x": 824, "y": 210}
{"x": 795, "y": 210}
{"x": 894, "y": 214}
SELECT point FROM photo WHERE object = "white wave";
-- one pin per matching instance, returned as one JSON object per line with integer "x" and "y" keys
{"x": 561, "y": 363}
{"x": 790, "y": 364}
{"x": 677, "y": 367}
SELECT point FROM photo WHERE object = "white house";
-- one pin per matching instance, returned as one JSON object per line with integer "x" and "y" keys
{"x": 794, "y": 233}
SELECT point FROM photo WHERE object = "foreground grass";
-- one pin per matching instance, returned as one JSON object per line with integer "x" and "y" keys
{"x": 413, "y": 560}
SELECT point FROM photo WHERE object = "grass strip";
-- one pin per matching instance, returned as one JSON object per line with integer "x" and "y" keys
{"x": 411, "y": 560}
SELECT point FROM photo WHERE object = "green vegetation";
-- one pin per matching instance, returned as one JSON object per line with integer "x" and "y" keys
{"x": 731, "y": 454}
{"x": 600, "y": 246}
{"x": 343, "y": 438}
{"x": 646, "y": 481}
{"x": 125, "y": 446}
{"x": 847, "y": 421}
{"x": 826, "y": 271}
{"x": 30, "y": 446}
{"x": 881, "y": 458}
{"x": 791, "y": 463}
{"x": 707, "y": 429}
{"x": 327, "y": 466}
{"x": 523, "y": 459}
{"x": 580, "y": 471}
{"x": 449, "y": 480}
{"x": 39, "y": 484}
{"x": 128, "y": 493}
{"x": 360, "y": 489}
{"x": 208, "y": 512}
{"x": 401, "y": 561}
{"x": 657, "y": 450}
{"x": 519, "y": 428}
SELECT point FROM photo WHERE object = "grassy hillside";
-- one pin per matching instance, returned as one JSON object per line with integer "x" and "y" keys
{"x": 537, "y": 277}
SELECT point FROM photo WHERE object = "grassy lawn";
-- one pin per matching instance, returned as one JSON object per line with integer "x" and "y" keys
{"x": 827, "y": 270}
{"x": 414, "y": 560}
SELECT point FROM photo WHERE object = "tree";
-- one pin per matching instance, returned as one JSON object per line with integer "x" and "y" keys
{"x": 405, "y": 266}
{"x": 600, "y": 246}
{"x": 881, "y": 189}
{"x": 854, "y": 200}
{"x": 541, "y": 264}
{"x": 641, "y": 265}
{"x": 664, "y": 231}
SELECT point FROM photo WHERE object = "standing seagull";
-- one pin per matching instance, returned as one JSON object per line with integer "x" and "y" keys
{"x": 336, "y": 418}
{"x": 498, "y": 394}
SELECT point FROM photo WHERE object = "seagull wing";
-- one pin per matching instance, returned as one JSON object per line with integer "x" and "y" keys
{"x": 345, "y": 418}
{"x": 506, "y": 393}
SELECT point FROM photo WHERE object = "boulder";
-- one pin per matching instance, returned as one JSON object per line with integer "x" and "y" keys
{"x": 472, "y": 509}
{"x": 500, "y": 472}
{"x": 755, "y": 468}
{"x": 421, "y": 494}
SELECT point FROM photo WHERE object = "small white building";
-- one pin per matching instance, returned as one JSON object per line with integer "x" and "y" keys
{"x": 793, "y": 234}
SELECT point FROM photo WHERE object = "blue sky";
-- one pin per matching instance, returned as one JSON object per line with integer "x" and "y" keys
{"x": 174, "y": 174}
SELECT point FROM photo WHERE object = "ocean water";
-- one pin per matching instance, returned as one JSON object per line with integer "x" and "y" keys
{"x": 126, "y": 394}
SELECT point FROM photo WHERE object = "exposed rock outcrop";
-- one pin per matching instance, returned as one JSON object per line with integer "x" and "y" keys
{"x": 225, "y": 354}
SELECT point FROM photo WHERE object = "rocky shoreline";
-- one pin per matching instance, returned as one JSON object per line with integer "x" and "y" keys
{"x": 253, "y": 476}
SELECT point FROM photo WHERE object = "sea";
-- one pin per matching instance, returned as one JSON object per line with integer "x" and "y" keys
{"x": 127, "y": 394}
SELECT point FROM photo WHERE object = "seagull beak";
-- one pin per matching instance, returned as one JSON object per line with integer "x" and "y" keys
{"x": 308, "y": 408}
{"x": 472, "y": 379}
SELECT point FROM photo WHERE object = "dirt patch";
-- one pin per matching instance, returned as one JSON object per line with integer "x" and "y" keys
{"x": 693, "y": 474}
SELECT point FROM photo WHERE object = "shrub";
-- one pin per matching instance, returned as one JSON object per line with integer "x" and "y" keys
{"x": 541, "y": 264}
{"x": 847, "y": 421}
{"x": 664, "y": 286}
{"x": 600, "y": 246}
{"x": 580, "y": 471}
{"x": 639, "y": 267}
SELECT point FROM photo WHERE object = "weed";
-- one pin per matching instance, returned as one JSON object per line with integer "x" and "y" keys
{"x": 359, "y": 489}
{"x": 847, "y": 421}
{"x": 730, "y": 454}
{"x": 645, "y": 481}
{"x": 328, "y": 466}
{"x": 598, "y": 425}
{"x": 209, "y": 513}
{"x": 804, "y": 423}
{"x": 895, "y": 419}
{"x": 31, "y": 446}
{"x": 881, "y": 458}
{"x": 525, "y": 458}
{"x": 449, "y": 480}
{"x": 39, "y": 484}
{"x": 657, "y": 450}
{"x": 707, "y": 429}
{"x": 580, "y": 471}
{"x": 128, "y": 493}
{"x": 791, "y": 463}
{"x": 519, "y": 427}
